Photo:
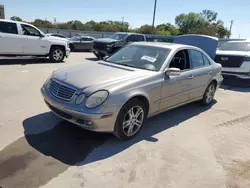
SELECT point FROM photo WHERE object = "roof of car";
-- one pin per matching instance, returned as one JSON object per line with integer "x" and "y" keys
{"x": 163, "y": 44}
{"x": 13, "y": 21}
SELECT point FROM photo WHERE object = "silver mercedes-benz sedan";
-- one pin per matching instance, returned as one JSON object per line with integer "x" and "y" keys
{"x": 139, "y": 81}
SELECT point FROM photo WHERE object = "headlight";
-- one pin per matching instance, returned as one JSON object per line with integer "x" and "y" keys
{"x": 110, "y": 45}
{"x": 80, "y": 99}
{"x": 96, "y": 99}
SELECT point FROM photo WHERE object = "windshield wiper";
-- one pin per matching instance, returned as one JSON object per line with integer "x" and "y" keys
{"x": 127, "y": 65}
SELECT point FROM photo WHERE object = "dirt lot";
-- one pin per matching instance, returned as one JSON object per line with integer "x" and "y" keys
{"x": 189, "y": 147}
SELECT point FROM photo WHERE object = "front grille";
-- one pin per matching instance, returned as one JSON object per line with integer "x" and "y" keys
{"x": 229, "y": 61}
{"x": 61, "y": 91}
{"x": 99, "y": 45}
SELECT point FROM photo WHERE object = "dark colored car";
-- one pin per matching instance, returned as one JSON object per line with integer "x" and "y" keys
{"x": 107, "y": 46}
{"x": 81, "y": 43}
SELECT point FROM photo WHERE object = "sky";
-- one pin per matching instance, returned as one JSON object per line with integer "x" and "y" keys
{"x": 136, "y": 12}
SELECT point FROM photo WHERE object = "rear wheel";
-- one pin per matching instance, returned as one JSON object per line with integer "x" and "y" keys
{"x": 130, "y": 119}
{"x": 209, "y": 94}
{"x": 57, "y": 54}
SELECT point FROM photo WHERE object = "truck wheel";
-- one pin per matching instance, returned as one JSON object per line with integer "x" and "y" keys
{"x": 57, "y": 54}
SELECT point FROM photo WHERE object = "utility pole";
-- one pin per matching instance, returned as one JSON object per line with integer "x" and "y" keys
{"x": 153, "y": 24}
{"x": 230, "y": 30}
{"x": 122, "y": 20}
{"x": 54, "y": 20}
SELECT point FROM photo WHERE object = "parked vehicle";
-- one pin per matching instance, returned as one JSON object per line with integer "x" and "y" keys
{"x": 106, "y": 46}
{"x": 235, "y": 60}
{"x": 139, "y": 81}
{"x": 23, "y": 39}
{"x": 81, "y": 43}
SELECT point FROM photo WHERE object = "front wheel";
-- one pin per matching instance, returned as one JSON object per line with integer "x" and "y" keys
{"x": 130, "y": 119}
{"x": 57, "y": 54}
{"x": 209, "y": 94}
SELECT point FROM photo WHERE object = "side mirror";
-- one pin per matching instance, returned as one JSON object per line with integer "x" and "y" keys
{"x": 173, "y": 72}
{"x": 42, "y": 35}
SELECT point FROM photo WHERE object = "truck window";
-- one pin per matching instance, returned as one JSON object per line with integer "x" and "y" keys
{"x": 30, "y": 31}
{"x": 135, "y": 38}
{"x": 6, "y": 27}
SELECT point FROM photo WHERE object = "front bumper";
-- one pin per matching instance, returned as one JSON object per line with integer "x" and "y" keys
{"x": 67, "y": 52}
{"x": 100, "y": 122}
{"x": 100, "y": 52}
{"x": 236, "y": 79}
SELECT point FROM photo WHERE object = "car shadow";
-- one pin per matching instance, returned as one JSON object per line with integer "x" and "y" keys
{"x": 92, "y": 58}
{"x": 24, "y": 61}
{"x": 72, "y": 145}
{"x": 234, "y": 88}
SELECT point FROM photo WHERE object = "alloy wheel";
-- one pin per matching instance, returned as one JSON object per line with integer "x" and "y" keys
{"x": 210, "y": 93}
{"x": 133, "y": 121}
{"x": 57, "y": 54}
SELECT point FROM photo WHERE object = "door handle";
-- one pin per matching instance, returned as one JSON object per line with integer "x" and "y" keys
{"x": 210, "y": 72}
{"x": 191, "y": 77}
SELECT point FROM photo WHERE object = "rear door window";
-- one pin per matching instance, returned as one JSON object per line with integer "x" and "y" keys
{"x": 206, "y": 61}
{"x": 7, "y": 27}
{"x": 196, "y": 59}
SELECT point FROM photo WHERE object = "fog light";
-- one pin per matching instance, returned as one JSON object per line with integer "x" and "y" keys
{"x": 80, "y": 99}
{"x": 89, "y": 123}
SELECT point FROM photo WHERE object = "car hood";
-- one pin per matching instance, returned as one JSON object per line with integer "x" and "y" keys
{"x": 105, "y": 40}
{"x": 236, "y": 53}
{"x": 57, "y": 38}
{"x": 93, "y": 76}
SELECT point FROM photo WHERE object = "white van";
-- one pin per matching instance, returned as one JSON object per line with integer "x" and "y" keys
{"x": 23, "y": 39}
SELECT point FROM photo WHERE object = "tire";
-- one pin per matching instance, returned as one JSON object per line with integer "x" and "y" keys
{"x": 209, "y": 94}
{"x": 127, "y": 125}
{"x": 100, "y": 57}
{"x": 57, "y": 54}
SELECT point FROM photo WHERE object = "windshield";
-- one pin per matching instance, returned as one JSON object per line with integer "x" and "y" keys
{"x": 118, "y": 36}
{"x": 236, "y": 46}
{"x": 142, "y": 57}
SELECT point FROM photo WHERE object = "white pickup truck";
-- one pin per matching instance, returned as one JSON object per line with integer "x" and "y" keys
{"x": 23, "y": 39}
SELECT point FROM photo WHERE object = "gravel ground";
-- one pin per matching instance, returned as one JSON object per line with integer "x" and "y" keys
{"x": 189, "y": 147}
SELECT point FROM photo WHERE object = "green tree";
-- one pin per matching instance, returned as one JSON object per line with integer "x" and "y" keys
{"x": 167, "y": 29}
{"x": 145, "y": 29}
{"x": 42, "y": 23}
{"x": 201, "y": 23}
